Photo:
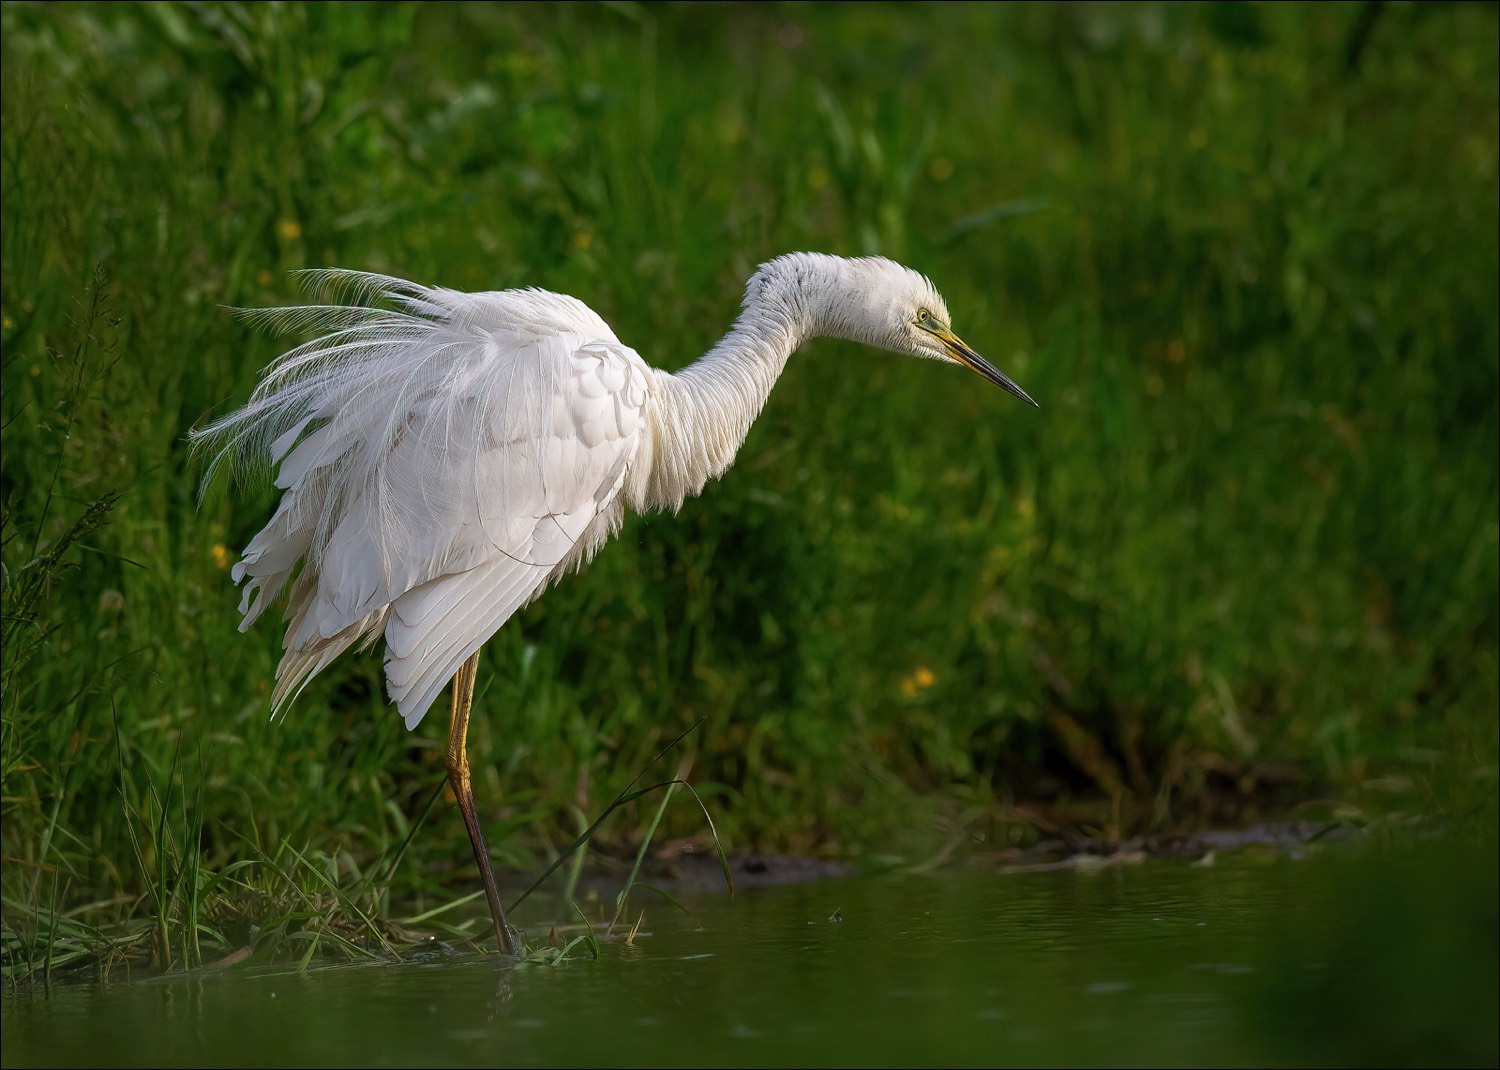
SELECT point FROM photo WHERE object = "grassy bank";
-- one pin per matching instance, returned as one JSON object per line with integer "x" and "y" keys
{"x": 1244, "y": 257}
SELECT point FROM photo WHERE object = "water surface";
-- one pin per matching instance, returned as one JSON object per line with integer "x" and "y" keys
{"x": 1345, "y": 956}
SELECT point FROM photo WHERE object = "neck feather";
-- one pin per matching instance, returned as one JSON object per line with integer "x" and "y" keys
{"x": 702, "y": 413}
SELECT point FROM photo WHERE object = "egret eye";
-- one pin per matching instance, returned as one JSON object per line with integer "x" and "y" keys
{"x": 923, "y": 315}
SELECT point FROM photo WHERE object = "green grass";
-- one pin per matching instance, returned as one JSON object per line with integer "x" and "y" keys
{"x": 1250, "y": 537}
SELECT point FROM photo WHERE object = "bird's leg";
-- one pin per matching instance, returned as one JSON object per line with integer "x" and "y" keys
{"x": 457, "y": 762}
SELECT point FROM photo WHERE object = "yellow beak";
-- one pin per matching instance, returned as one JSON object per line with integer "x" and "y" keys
{"x": 974, "y": 362}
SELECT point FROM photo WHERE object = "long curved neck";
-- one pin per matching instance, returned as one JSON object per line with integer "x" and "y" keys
{"x": 700, "y": 416}
{"x": 702, "y": 413}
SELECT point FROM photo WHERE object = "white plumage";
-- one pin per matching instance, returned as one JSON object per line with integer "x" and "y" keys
{"x": 444, "y": 456}
{"x": 440, "y": 462}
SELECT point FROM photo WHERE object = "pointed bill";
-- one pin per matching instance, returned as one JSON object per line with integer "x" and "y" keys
{"x": 975, "y": 363}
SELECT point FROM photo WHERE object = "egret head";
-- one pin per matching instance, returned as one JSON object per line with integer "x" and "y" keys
{"x": 878, "y": 302}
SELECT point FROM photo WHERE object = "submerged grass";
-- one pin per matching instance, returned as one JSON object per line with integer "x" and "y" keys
{"x": 1243, "y": 255}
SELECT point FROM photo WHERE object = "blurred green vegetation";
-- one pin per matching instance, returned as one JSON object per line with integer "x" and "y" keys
{"x": 1244, "y": 255}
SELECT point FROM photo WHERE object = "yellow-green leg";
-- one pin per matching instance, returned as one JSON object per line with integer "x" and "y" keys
{"x": 458, "y": 775}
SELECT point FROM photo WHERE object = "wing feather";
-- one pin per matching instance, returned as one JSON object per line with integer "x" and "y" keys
{"x": 441, "y": 462}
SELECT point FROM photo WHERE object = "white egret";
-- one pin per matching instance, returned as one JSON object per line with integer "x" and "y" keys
{"x": 446, "y": 457}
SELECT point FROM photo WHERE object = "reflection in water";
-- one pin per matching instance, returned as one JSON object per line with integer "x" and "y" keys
{"x": 1373, "y": 958}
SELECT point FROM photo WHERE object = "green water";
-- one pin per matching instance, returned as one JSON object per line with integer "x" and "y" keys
{"x": 1347, "y": 956}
